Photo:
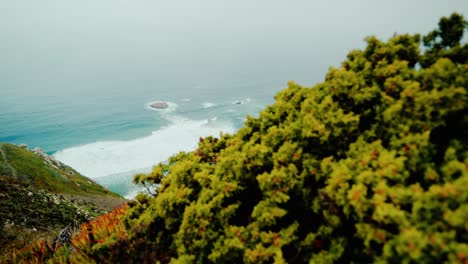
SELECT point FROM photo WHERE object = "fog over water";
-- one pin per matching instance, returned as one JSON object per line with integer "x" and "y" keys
{"x": 76, "y": 76}
{"x": 75, "y": 47}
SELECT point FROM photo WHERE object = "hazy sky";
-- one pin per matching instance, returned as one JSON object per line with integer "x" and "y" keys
{"x": 59, "y": 41}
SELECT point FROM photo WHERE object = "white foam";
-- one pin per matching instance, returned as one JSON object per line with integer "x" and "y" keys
{"x": 208, "y": 105}
{"x": 133, "y": 193}
{"x": 111, "y": 157}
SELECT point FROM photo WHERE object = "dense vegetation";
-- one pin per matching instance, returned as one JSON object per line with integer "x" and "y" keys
{"x": 370, "y": 165}
{"x": 39, "y": 196}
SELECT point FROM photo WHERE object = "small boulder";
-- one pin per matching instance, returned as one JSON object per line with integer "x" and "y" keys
{"x": 40, "y": 151}
{"x": 159, "y": 105}
{"x": 23, "y": 146}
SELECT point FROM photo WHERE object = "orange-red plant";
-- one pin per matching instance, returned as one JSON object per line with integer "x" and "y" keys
{"x": 85, "y": 245}
{"x": 100, "y": 230}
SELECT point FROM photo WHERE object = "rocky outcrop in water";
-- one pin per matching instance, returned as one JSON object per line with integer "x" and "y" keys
{"x": 159, "y": 105}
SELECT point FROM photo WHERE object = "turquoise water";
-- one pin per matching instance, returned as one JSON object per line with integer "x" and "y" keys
{"x": 57, "y": 121}
{"x": 110, "y": 133}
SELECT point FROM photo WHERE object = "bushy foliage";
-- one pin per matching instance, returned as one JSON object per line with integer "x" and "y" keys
{"x": 369, "y": 166}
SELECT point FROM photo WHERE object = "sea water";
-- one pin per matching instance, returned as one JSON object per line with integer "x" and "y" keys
{"x": 114, "y": 162}
{"x": 112, "y": 134}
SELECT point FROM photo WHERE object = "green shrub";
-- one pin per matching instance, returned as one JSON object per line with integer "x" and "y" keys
{"x": 369, "y": 166}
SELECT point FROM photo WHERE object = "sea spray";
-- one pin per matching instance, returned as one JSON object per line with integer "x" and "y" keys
{"x": 117, "y": 159}
{"x": 110, "y": 157}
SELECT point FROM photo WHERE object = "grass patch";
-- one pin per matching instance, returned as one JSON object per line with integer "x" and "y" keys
{"x": 33, "y": 169}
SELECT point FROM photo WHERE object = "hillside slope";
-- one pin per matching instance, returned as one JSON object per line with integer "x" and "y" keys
{"x": 40, "y": 196}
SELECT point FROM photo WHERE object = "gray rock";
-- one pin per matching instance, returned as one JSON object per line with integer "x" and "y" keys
{"x": 24, "y": 146}
{"x": 40, "y": 151}
{"x": 159, "y": 105}
{"x": 64, "y": 237}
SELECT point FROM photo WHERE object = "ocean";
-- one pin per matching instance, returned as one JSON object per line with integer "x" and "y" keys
{"x": 110, "y": 135}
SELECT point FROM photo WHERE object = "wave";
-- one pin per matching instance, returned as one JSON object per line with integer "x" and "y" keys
{"x": 247, "y": 100}
{"x": 208, "y": 105}
{"x": 133, "y": 193}
{"x": 113, "y": 163}
{"x": 104, "y": 158}
{"x": 122, "y": 183}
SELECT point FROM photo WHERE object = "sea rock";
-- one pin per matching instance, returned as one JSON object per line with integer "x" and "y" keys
{"x": 159, "y": 105}
{"x": 40, "y": 151}
{"x": 24, "y": 146}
